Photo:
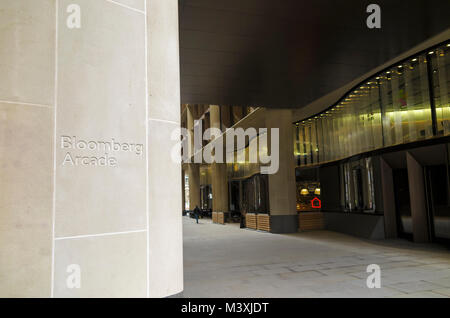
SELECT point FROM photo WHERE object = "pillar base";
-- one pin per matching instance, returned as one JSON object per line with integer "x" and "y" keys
{"x": 310, "y": 221}
{"x": 219, "y": 217}
{"x": 281, "y": 224}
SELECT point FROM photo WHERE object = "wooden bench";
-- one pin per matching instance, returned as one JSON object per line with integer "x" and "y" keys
{"x": 309, "y": 221}
{"x": 218, "y": 217}
{"x": 250, "y": 221}
{"x": 263, "y": 222}
{"x": 258, "y": 221}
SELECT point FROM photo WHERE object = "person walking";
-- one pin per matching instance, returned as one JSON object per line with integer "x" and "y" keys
{"x": 196, "y": 213}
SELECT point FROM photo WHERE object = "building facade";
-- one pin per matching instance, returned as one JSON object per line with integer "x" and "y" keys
{"x": 87, "y": 88}
{"x": 374, "y": 164}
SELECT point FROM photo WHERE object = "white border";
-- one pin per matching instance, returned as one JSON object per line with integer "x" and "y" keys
{"x": 96, "y": 235}
{"x": 147, "y": 207}
{"x": 125, "y": 6}
{"x": 164, "y": 121}
{"x": 55, "y": 108}
{"x": 25, "y": 104}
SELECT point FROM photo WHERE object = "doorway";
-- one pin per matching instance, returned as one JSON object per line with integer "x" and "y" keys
{"x": 437, "y": 190}
{"x": 235, "y": 198}
{"x": 402, "y": 203}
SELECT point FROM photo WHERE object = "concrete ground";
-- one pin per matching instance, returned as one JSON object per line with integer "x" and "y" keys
{"x": 226, "y": 261}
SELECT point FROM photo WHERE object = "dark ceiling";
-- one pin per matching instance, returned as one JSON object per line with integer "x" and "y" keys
{"x": 288, "y": 53}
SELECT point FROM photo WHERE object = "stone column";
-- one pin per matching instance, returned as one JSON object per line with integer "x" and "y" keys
{"x": 190, "y": 127}
{"x": 89, "y": 96}
{"x": 193, "y": 170}
{"x": 218, "y": 171}
{"x": 214, "y": 113}
{"x": 418, "y": 200}
{"x": 194, "y": 185}
{"x": 183, "y": 193}
{"x": 219, "y": 187}
{"x": 390, "y": 218}
{"x": 282, "y": 198}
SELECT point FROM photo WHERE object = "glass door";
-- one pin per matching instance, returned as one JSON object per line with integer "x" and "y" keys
{"x": 437, "y": 185}
{"x": 402, "y": 203}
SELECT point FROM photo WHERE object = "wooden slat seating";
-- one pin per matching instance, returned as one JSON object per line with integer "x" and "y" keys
{"x": 258, "y": 221}
{"x": 220, "y": 217}
{"x": 263, "y": 222}
{"x": 250, "y": 221}
{"x": 309, "y": 221}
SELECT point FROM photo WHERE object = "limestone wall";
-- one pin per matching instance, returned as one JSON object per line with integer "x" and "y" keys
{"x": 90, "y": 198}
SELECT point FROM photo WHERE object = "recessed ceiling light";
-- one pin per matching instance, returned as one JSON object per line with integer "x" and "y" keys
{"x": 431, "y": 52}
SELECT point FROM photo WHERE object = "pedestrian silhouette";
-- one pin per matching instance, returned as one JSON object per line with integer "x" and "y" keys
{"x": 196, "y": 213}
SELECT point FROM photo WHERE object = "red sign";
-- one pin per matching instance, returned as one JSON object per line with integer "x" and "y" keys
{"x": 316, "y": 203}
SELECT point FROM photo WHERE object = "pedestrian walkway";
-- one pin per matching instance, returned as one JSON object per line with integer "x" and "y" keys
{"x": 225, "y": 261}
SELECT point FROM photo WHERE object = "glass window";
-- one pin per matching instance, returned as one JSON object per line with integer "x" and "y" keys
{"x": 417, "y": 98}
{"x": 391, "y": 108}
{"x": 387, "y": 108}
{"x": 441, "y": 79}
{"x": 314, "y": 149}
{"x": 358, "y": 186}
{"x": 308, "y": 143}
{"x": 308, "y": 190}
{"x": 297, "y": 152}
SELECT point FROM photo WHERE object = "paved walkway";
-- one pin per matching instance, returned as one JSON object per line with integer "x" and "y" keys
{"x": 225, "y": 261}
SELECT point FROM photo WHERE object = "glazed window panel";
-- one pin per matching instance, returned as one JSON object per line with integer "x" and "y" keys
{"x": 308, "y": 143}
{"x": 375, "y": 116}
{"x": 335, "y": 121}
{"x": 366, "y": 117}
{"x": 296, "y": 132}
{"x": 391, "y": 108}
{"x": 319, "y": 139}
{"x": 336, "y": 127}
{"x": 314, "y": 150}
{"x": 387, "y": 108}
{"x": 348, "y": 129}
{"x": 441, "y": 79}
{"x": 302, "y": 145}
{"x": 358, "y": 186}
{"x": 341, "y": 140}
{"x": 417, "y": 96}
{"x": 343, "y": 131}
{"x": 330, "y": 137}
{"x": 398, "y": 104}
{"x": 354, "y": 127}
{"x": 326, "y": 138}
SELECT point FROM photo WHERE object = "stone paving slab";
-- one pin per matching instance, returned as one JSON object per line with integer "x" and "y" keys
{"x": 424, "y": 294}
{"x": 225, "y": 261}
{"x": 414, "y": 287}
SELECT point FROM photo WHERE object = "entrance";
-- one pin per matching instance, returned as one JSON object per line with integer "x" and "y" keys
{"x": 437, "y": 188}
{"x": 234, "y": 198}
{"x": 402, "y": 203}
{"x": 206, "y": 197}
